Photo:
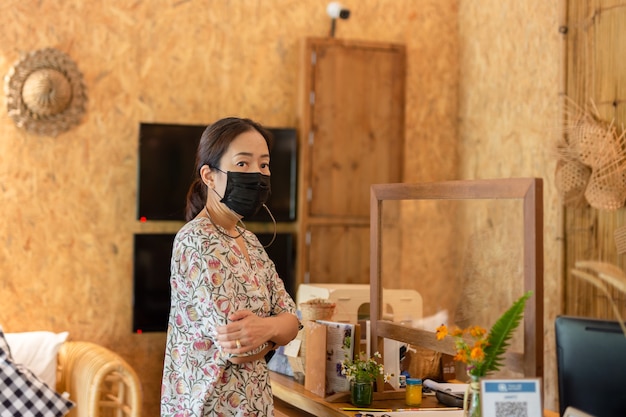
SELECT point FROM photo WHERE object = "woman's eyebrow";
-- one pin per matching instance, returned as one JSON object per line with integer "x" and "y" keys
{"x": 249, "y": 154}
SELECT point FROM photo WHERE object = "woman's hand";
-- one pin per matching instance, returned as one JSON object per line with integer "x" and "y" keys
{"x": 244, "y": 333}
{"x": 250, "y": 358}
{"x": 247, "y": 331}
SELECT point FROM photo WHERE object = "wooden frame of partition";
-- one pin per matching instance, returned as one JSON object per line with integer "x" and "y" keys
{"x": 530, "y": 190}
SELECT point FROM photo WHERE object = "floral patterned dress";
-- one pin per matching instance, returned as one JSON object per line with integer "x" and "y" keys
{"x": 210, "y": 279}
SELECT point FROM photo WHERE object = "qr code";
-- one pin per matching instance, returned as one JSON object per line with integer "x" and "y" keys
{"x": 511, "y": 409}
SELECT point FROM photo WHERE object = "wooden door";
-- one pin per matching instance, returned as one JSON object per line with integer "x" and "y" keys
{"x": 353, "y": 137}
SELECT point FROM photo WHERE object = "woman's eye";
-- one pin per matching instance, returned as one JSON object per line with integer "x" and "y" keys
{"x": 241, "y": 164}
{"x": 265, "y": 165}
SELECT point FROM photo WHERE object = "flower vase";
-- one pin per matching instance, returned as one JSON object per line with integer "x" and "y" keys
{"x": 471, "y": 402}
{"x": 361, "y": 393}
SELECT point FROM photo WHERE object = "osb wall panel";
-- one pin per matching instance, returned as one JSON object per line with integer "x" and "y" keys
{"x": 69, "y": 202}
{"x": 431, "y": 151}
{"x": 511, "y": 61}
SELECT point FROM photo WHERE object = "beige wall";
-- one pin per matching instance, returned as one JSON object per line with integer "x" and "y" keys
{"x": 482, "y": 80}
{"x": 511, "y": 68}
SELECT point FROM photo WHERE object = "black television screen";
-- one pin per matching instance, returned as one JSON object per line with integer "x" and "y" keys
{"x": 167, "y": 155}
{"x": 151, "y": 276}
{"x": 151, "y": 281}
{"x": 590, "y": 365}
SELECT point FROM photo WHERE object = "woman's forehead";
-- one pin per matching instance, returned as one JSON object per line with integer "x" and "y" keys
{"x": 249, "y": 143}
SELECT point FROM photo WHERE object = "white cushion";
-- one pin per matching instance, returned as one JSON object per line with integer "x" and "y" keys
{"x": 37, "y": 351}
{"x": 23, "y": 394}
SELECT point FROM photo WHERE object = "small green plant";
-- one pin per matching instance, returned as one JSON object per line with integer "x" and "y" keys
{"x": 363, "y": 369}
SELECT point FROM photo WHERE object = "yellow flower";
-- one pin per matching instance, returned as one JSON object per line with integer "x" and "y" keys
{"x": 480, "y": 349}
{"x": 477, "y": 331}
{"x": 442, "y": 332}
{"x": 461, "y": 356}
{"x": 457, "y": 333}
{"x": 478, "y": 354}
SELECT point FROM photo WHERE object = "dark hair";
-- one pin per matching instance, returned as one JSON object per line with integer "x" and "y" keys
{"x": 214, "y": 142}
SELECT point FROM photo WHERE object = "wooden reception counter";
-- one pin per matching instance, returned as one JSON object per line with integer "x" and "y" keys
{"x": 292, "y": 399}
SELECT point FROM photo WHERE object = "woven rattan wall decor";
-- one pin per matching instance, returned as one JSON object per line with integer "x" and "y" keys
{"x": 591, "y": 166}
{"x": 45, "y": 92}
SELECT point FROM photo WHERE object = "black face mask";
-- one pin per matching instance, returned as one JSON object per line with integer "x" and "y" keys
{"x": 246, "y": 192}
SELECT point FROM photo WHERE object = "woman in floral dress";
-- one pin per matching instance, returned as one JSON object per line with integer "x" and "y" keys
{"x": 228, "y": 305}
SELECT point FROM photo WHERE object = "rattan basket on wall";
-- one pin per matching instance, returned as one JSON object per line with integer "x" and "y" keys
{"x": 45, "y": 92}
{"x": 591, "y": 161}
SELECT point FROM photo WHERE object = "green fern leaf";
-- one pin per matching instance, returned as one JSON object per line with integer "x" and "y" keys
{"x": 500, "y": 336}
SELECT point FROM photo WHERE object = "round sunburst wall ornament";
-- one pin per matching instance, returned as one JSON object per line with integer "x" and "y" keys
{"x": 45, "y": 92}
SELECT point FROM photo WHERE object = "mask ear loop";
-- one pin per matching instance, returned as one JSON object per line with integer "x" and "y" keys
{"x": 206, "y": 209}
{"x": 273, "y": 221}
{"x": 219, "y": 229}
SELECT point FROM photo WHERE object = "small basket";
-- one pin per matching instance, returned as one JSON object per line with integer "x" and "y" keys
{"x": 607, "y": 188}
{"x": 317, "y": 309}
{"x": 590, "y": 140}
{"x": 594, "y": 142}
{"x": 571, "y": 180}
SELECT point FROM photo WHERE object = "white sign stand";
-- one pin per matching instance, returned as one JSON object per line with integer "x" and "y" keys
{"x": 511, "y": 397}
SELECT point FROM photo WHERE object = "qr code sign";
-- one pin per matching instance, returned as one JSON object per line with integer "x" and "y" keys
{"x": 511, "y": 409}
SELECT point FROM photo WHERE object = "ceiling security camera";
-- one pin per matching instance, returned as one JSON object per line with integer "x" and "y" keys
{"x": 336, "y": 10}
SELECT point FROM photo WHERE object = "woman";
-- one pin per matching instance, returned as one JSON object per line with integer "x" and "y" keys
{"x": 228, "y": 305}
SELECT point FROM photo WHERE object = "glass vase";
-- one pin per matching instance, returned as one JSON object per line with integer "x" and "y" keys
{"x": 361, "y": 393}
{"x": 471, "y": 402}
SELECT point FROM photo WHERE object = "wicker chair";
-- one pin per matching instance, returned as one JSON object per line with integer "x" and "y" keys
{"x": 98, "y": 380}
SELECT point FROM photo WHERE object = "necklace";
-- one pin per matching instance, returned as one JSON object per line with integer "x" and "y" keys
{"x": 219, "y": 228}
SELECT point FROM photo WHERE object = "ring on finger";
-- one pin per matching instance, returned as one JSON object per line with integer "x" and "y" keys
{"x": 238, "y": 344}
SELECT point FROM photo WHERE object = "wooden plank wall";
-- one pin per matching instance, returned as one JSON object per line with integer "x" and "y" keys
{"x": 596, "y": 83}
